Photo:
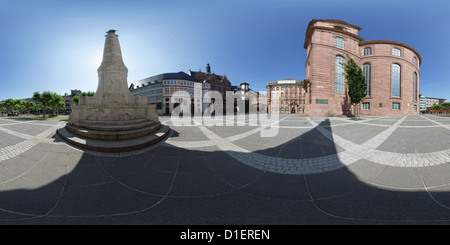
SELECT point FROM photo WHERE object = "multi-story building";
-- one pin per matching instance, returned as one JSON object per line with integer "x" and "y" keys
{"x": 216, "y": 82}
{"x": 430, "y": 101}
{"x": 68, "y": 99}
{"x": 250, "y": 98}
{"x": 423, "y": 103}
{"x": 159, "y": 89}
{"x": 287, "y": 96}
{"x": 391, "y": 70}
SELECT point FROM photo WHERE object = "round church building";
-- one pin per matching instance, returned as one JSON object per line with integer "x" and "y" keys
{"x": 391, "y": 70}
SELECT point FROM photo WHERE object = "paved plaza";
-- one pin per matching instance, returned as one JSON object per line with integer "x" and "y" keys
{"x": 379, "y": 170}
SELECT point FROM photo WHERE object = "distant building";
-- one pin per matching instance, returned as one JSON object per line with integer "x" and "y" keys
{"x": 430, "y": 101}
{"x": 217, "y": 82}
{"x": 159, "y": 89}
{"x": 28, "y": 99}
{"x": 68, "y": 98}
{"x": 287, "y": 96}
{"x": 249, "y": 96}
{"x": 423, "y": 103}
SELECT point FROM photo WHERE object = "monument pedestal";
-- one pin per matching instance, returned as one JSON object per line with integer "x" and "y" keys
{"x": 113, "y": 120}
{"x": 114, "y": 136}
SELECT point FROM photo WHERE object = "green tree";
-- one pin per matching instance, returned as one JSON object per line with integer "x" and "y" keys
{"x": 2, "y": 107}
{"x": 17, "y": 105}
{"x": 45, "y": 99}
{"x": 436, "y": 107}
{"x": 28, "y": 106}
{"x": 357, "y": 87}
{"x": 57, "y": 102}
{"x": 9, "y": 105}
{"x": 76, "y": 98}
{"x": 38, "y": 108}
{"x": 446, "y": 106}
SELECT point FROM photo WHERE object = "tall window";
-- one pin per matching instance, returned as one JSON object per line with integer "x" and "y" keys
{"x": 396, "y": 80}
{"x": 415, "y": 60}
{"x": 366, "y": 72}
{"x": 339, "y": 42}
{"x": 396, "y": 52}
{"x": 415, "y": 87}
{"x": 339, "y": 75}
{"x": 367, "y": 51}
{"x": 310, "y": 93}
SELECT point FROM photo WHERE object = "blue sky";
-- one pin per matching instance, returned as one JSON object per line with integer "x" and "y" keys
{"x": 57, "y": 45}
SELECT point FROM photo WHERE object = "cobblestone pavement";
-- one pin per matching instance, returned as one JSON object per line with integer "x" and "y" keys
{"x": 379, "y": 170}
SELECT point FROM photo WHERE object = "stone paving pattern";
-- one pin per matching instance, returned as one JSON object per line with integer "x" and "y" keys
{"x": 379, "y": 170}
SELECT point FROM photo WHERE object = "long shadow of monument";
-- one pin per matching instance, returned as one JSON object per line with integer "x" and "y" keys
{"x": 56, "y": 184}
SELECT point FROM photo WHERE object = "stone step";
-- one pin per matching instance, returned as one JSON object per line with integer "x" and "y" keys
{"x": 113, "y": 122}
{"x": 120, "y": 127}
{"x": 112, "y": 135}
{"x": 114, "y": 146}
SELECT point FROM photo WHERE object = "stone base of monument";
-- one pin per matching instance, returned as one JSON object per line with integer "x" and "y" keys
{"x": 114, "y": 136}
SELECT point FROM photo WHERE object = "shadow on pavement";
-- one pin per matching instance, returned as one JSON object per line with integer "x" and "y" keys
{"x": 56, "y": 184}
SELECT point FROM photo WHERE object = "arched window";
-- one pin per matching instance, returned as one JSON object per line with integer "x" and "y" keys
{"x": 396, "y": 80}
{"x": 367, "y": 75}
{"x": 396, "y": 52}
{"x": 415, "y": 60}
{"x": 415, "y": 87}
{"x": 286, "y": 109}
{"x": 367, "y": 51}
{"x": 281, "y": 109}
{"x": 339, "y": 75}
{"x": 339, "y": 42}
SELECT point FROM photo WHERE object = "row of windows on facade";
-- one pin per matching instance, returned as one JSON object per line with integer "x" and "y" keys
{"x": 148, "y": 93}
{"x": 154, "y": 99}
{"x": 300, "y": 110}
{"x": 396, "y": 78}
{"x": 285, "y": 88}
{"x": 186, "y": 83}
{"x": 217, "y": 88}
{"x": 339, "y": 43}
{"x": 278, "y": 95}
{"x": 276, "y": 102}
{"x": 395, "y": 106}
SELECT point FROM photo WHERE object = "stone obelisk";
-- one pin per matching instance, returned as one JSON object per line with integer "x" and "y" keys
{"x": 112, "y": 100}
{"x": 113, "y": 120}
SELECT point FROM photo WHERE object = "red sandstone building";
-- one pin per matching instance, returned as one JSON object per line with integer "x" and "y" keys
{"x": 391, "y": 69}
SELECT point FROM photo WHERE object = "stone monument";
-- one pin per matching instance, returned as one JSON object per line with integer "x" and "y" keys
{"x": 113, "y": 120}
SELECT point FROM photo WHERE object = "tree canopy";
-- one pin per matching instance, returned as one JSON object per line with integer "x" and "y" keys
{"x": 357, "y": 87}
{"x": 45, "y": 99}
{"x": 76, "y": 98}
{"x": 28, "y": 106}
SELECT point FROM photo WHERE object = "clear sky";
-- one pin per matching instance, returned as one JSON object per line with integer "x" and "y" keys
{"x": 57, "y": 45}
